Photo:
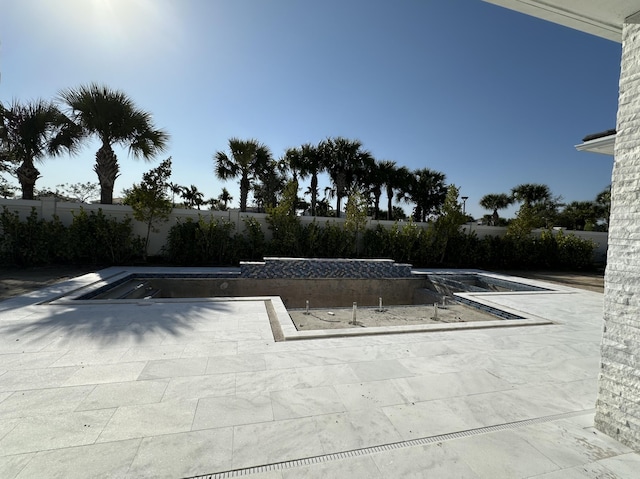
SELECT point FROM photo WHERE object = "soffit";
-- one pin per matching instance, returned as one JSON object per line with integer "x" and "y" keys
{"x": 603, "y": 18}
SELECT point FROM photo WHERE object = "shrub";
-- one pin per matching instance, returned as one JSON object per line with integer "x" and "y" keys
{"x": 312, "y": 235}
{"x": 336, "y": 242}
{"x": 99, "y": 239}
{"x": 285, "y": 226}
{"x": 205, "y": 242}
{"x": 214, "y": 240}
{"x": 181, "y": 247}
{"x": 574, "y": 252}
{"x": 251, "y": 245}
{"x": 90, "y": 239}
{"x": 376, "y": 242}
{"x": 26, "y": 243}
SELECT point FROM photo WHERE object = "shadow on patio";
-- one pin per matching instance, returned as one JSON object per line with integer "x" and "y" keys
{"x": 110, "y": 325}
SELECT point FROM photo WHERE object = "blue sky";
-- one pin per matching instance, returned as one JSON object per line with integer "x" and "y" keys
{"x": 490, "y": 97}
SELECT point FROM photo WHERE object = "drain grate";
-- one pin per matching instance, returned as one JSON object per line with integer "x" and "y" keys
{"x": 423, "y": 441}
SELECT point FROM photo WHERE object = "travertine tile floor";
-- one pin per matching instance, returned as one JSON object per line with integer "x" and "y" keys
{"x": 186, "y": 389}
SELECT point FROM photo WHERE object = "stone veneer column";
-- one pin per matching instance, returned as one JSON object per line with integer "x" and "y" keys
{"x": 618, "y": 404}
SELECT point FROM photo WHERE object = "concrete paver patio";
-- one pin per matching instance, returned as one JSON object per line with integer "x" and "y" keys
{"x": 183, "y": 389}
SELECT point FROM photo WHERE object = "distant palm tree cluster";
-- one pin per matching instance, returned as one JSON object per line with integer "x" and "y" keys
{"x": 33, "y": 131}
{"x": 543, "y": 210}
{"x": 350, "y": 167}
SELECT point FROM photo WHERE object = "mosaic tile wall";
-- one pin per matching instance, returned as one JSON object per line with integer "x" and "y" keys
{"x": 324, "y": 268}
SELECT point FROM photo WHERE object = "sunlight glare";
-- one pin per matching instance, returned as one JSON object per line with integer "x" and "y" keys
{"x": 122, "y": 27}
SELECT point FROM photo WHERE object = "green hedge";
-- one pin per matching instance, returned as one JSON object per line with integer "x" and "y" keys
{"x": 405, "y": 243}
{"x": 94, "y": 238}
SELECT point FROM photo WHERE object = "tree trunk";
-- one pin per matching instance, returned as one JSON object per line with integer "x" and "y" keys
{"x": 341, "y": 181}
{"x": 389, "y": 203}
{"x": 244, "y": 191}
{"x": 27, "y": 176}
{"x": 314, "y": 193}
{"x": 376, "y": 207}
{"x": 107, "y": 169}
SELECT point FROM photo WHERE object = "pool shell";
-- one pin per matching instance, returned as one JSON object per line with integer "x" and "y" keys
{"x": 320, "y": 292}
{"x": 282, "y": 325}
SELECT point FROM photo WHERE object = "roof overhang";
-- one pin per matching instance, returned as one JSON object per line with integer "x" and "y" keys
{"x": 603, "y": 18}
{"x": 603, "y": 145}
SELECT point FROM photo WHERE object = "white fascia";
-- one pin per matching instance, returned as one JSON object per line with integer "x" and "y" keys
{"x": 603, "y": 145}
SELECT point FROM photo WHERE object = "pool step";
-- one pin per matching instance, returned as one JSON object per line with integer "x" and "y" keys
{"x": 140, "y": 291}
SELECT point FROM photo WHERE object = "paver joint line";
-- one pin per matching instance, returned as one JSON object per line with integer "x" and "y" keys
{"x": 278, "y": 466}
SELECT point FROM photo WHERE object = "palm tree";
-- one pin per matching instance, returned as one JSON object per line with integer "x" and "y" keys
{"x": 375, "y": 179}
{"x": 347, "y": 164}
{"x": 578, "y": 214}
{"x": 175, "y": 189}
{"x": 495, "y": 202}
{"x": 308, "y": 160}
{"x": 392, "y": 178}
{"x": 531, "y": 193}
{"x": 538, "y": 201}
{"x": 270, "y": 182}
{"x": 224, "y": 198}
{"x": 248, "y": 158}
{"x": 192, "y": 196}
{"x": 427, "y": 190}
{"x": 112, "y": 116}
{"x": 30, "y": 132}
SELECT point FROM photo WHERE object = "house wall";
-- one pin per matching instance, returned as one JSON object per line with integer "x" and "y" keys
{"x": 48, "y": 207}
{"x": 618, "y": 403}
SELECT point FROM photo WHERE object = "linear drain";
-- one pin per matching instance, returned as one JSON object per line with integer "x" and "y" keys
{"x": 307, "y": 461}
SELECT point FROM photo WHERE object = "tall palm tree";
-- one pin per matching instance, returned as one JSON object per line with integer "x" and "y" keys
{"x": 495, "y": 202}
{"x": 271, "y": 180}
{"x": 112, "y": 116}
{"x": 308, "y": 160}
{"x": 347, "y": 164}
{"x": 375, "y": 181}
{"x": 393, "y": 177}
{"x": 30, "y": 132}
{"x": 531, "y": 193}
{"x": 248, "y": 158}
{"x": 427, "y": 190}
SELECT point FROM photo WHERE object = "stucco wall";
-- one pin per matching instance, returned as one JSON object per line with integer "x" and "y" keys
{"x": 618, "y": 404}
